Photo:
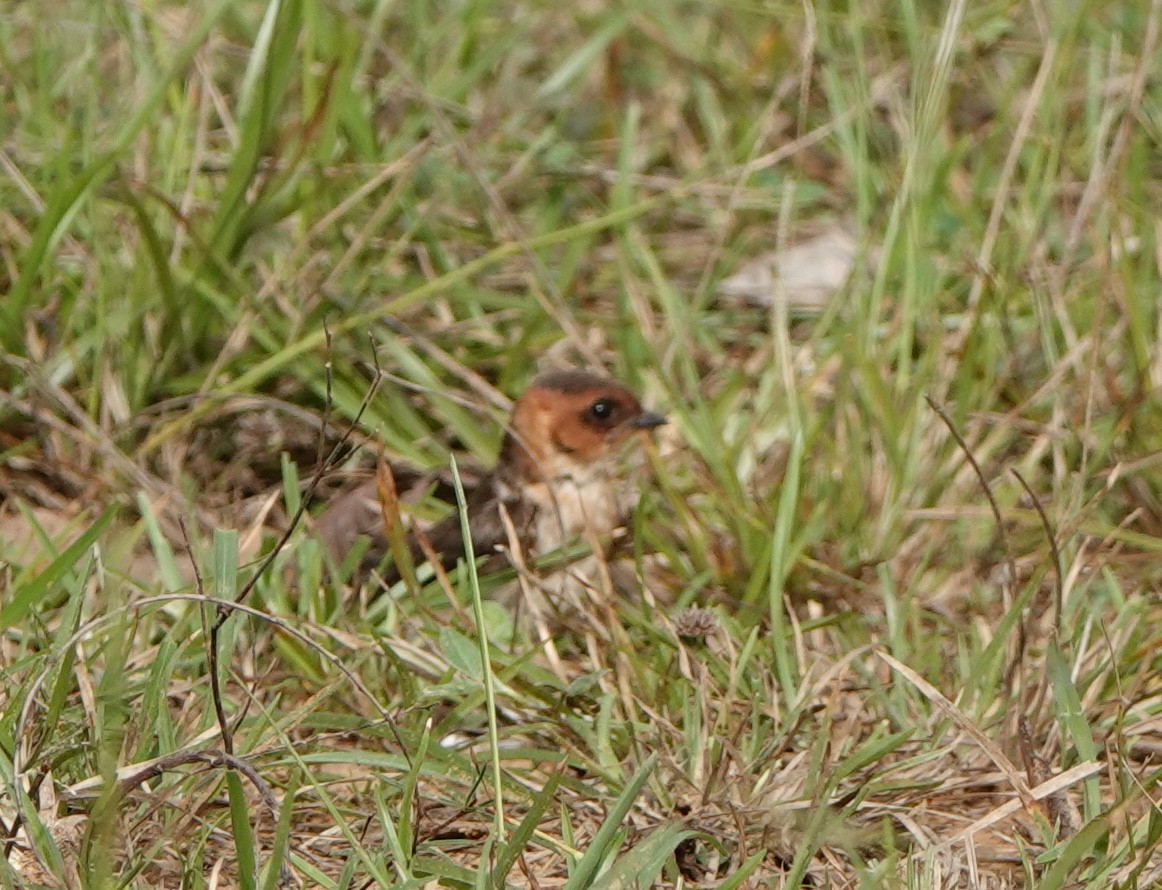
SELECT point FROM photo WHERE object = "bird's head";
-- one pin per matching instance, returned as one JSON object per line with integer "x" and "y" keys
{"x": 567, "y": 422}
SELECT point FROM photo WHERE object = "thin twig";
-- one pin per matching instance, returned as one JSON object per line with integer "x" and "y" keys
{"x": 329, "y": 463}
{"x": 1010, "y": 578}
{"x": 325, "y": 465}
{"x": 1054, "y": 550}
{"x": 1010, "y": 565}
{"x": 215, "y": 759}
{"x": 209, "y": 756}
{"x": 211, "y": 651}
{"x": 328, "y": 400}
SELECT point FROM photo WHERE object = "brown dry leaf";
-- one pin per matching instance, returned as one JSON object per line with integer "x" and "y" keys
{"x": 804, "y": 274}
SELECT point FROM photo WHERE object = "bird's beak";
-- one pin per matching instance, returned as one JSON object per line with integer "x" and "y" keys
{"x": 647, "y": 420}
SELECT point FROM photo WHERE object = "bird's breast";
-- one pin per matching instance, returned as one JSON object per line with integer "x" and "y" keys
{"x": 569, "y": 508}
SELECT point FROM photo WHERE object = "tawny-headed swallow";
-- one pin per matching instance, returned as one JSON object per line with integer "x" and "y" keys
{"x": 557, "y": 478}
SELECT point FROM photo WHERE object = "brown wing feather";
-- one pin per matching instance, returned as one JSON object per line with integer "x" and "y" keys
{"x": 485, "y": 524}
{"x": 357, "y": 514}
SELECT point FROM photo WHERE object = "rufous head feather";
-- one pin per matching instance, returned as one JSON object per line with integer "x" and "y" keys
{"x": 572, "y": 418}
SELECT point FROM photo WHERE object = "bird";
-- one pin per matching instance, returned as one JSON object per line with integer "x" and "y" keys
{"x": 558, "y": 478}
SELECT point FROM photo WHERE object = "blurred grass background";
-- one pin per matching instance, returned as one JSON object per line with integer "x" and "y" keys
{"x": 195, "y": 198}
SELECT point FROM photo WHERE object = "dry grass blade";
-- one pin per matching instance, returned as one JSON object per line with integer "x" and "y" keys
{"x": 946, "y": 707}
{"x": 1077, "y": 773}
{"x": 484, "y": 196}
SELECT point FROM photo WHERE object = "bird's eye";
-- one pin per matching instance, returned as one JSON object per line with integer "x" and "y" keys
{"x": 602, "y": 410}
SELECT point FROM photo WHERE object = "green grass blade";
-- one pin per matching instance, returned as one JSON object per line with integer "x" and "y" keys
{"x": 26, "y": 595}
{"x": 64, "y": 203}
{"x": 485, "y": 661}
{"x": 276, "y": 862}
{"x": 641, "y": 866}
{"x": 1074, "y": 725}
{"x": 516, "y": 842}
{"x": 603, "y": 841}
{"x": 244, "y": 843}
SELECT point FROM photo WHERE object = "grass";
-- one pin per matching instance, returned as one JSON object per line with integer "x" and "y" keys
{"x": 219, "y": 218}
